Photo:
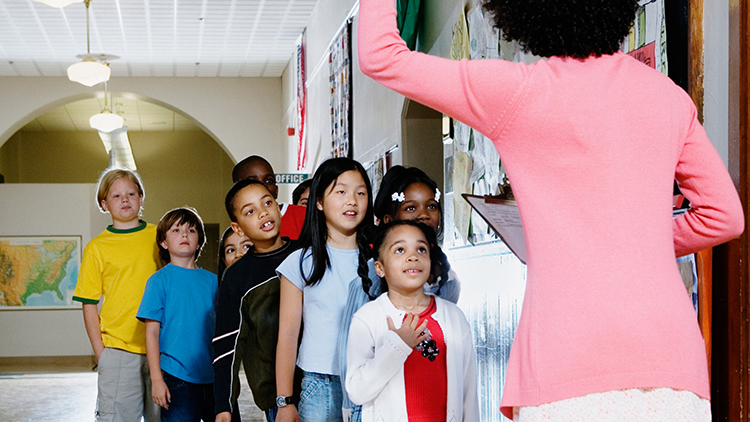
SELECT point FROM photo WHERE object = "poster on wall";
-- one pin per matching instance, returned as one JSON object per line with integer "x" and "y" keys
{"x": 647, "y": 40}
{"x": 38, "y": 270}
{"x": 340, "y": 67}
{"x": 301, "y": 103}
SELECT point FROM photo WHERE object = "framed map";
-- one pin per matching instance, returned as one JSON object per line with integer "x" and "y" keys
{"x": 38, "y": 270}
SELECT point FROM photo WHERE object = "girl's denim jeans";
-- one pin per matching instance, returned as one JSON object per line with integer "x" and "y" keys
{"x": 321, "y": 398}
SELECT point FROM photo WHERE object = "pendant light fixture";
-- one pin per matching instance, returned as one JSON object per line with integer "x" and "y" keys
{"x": 89, "y": 72}
{"x": 59, "y": 4}
{"x": 106, "y": 121}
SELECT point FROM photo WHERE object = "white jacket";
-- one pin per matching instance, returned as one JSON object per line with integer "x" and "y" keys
{"x": 376, "y": 356}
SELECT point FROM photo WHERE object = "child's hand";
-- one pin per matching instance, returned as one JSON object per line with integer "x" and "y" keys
{"x": 160, "y": 394}
{"x": 287, "y": 413}
{"x": 224, "y": 417}
{"x": 409, "y": 332}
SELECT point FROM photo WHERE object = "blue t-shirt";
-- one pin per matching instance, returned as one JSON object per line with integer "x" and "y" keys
{"x": 183, "y": 301}
{"x": 322, "y": 307}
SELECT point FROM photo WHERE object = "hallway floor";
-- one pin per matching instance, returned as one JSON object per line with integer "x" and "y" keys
{"x": 68, "y": 394}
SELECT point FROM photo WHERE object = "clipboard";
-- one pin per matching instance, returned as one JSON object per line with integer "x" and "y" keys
{"x": 503, "y": 216}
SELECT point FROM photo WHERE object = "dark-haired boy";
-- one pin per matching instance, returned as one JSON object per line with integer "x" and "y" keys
{"x": 247, "y": 311}
{"x": 178, "y": 309}
{"x": 258, "y": 168}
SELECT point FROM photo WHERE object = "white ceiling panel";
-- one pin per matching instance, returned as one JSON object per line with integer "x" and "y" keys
{"x": 230, "y": 35}
{"x": 161, "y": 38}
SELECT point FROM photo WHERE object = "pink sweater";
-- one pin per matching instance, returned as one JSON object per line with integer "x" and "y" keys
{"x": 591, "y": 148}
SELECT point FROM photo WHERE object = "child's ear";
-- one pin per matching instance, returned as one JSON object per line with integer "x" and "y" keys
{"x": 104, "y": 205}
{"x": 163, "y": 244}
{"x": 319, "y": 204}
{"x": 379, "y": 269}
{"x": 237, "y": 229}
{"x": 387, "y": 219}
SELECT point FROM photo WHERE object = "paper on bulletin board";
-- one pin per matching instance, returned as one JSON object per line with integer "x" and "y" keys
{"x": 460, "y": 42}
{"x": 647, "y": 40}
{"x": 492, "y": 40}
{"x": 461, "y": 136}
{"x": 484, "y": 150}
{"x": 461, "y": 209}
{"x": 476, "y": 33}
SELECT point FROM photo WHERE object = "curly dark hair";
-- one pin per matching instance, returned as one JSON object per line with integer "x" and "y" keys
{"x": 565, "y": 28}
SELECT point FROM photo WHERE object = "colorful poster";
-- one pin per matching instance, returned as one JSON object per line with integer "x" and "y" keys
{"x": 301, "y": 104}
{"x": 38, "y": 270}
{"x": 340, "y": 67}
{"x": 647, "y": 40}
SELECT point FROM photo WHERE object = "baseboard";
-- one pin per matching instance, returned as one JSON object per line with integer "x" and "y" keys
{"x": 46, "y": 364}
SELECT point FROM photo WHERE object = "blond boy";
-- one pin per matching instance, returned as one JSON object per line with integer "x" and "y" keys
{"x": 115, "y": 267}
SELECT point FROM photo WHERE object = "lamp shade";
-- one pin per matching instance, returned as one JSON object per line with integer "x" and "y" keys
{"x": 58, "y": 3}
{"x": 89, "y": 73}
{"x": 106, "y": 121}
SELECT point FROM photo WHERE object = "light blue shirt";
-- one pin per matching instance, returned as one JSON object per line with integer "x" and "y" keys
{"x": 182, "y": 300}
{"x": 322, "y": 307}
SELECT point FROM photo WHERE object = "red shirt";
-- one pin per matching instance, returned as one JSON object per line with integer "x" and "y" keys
{"x": 292, "y": 220}
{"x": 425, "y": 381}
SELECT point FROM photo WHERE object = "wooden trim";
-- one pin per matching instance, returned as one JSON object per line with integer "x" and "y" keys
{"x": 704, "y": 265}
{"x": 731, "y": 329}
{"x": 695, "y": 54}
{"x": 46, "y": 364}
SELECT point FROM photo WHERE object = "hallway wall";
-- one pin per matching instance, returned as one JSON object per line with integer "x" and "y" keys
{"x": 243, "y": 115}
{"x": 47, "y": 210}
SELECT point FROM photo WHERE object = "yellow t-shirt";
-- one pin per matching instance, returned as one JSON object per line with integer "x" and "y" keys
{"x": 115, "y": 266}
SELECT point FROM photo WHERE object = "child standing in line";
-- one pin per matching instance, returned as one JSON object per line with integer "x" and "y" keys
{"x": 231, "y": 248}
{"x": 406, "y": 193}
{"x": 115, "y": 266}
{"x": 178, "y": 309}
{"x": 258, "y": 168}
{"x": 247, "y": 311}
{"x": 301, "y": 193}
{"x": 314, "y": 283}
{"x": 392, "y": 381}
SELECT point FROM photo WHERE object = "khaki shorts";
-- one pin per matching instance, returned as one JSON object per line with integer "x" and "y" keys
{"x": 124, "y": 388}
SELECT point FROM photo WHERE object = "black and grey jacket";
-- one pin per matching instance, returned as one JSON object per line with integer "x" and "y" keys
{"x": 247, "y": 327}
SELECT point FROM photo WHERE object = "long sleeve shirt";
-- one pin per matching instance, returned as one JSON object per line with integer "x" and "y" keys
{"x": 592, "y": 148}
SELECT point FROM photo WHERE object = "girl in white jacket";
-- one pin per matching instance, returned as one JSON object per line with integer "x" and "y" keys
{"x": 410, "y": 355}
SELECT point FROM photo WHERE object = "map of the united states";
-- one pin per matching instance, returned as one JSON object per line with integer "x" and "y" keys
{"x": 38, "y": 271}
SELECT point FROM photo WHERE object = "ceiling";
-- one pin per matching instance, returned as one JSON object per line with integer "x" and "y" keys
{"x": 152, "y": 38}
{"x": 140, "y": 116}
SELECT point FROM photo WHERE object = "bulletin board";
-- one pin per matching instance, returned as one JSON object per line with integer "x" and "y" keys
{"x": 340, "y": 82}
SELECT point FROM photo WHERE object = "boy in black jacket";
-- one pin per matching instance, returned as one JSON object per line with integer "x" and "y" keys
{"x": 247, "y": 311}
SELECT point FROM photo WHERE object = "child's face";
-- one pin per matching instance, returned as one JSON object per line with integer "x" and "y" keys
{"x": 181, "y": 241}
{"x": 261, "y": 172}
{"x": 419, "y": 205}
{"x": 404, "y": 260}
{"x": 304, "y": 197}
{"x": 123, "y": 201}
{"x": 345, "y": 203}
{"x": 258, "y": 217}
{"x": 235, "y": 247}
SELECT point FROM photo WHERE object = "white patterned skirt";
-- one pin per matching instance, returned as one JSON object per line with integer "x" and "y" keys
{"x": 633, "y": 405}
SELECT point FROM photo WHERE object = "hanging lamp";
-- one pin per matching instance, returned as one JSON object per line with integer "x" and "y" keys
{"x": 59, "y": 4}
{"x": 89, "y": 72}
{"x": 106, "y": 121}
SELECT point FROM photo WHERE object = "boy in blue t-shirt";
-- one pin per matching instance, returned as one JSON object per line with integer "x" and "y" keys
{"x": 178, "y": 309}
